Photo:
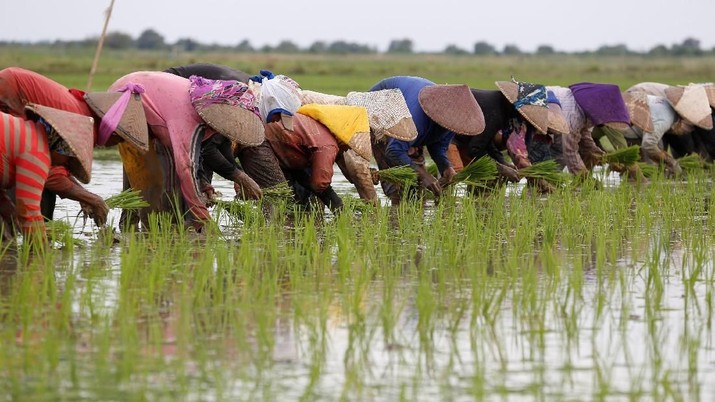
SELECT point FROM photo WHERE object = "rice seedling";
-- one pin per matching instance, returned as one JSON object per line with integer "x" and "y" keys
{"x": 604, "y": 293}
{"x": 127, "y": 199}
{"x": 404, "y": 176}
{"x": 693, "y": 163}
{"x": 548, "y": 171}
{"x": 625, "y": 156}
{"x": 649, "y": 170}
{"x": 280, "y": 192}
{"x": 478, "y": 172}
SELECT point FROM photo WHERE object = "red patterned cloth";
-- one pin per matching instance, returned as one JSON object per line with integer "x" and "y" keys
{"x": 25, "y": 165}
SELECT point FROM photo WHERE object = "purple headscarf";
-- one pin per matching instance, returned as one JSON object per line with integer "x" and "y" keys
{"x": 205, "y": 92}
{"x": 602, "y": 103}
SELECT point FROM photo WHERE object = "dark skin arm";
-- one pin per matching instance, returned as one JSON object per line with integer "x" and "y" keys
{"x": 68, "y": 187}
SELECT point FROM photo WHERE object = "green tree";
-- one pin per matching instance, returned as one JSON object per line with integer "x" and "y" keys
{"x": 483, "y": 48}
{"x": 545, "y": 50}
{"x": 150, "y": 40}
{"x": 188, "y": 44}
{"x": 511, "y": 50}
{"x": 118, "y": 40}
{"x": 318, "y": 47}
{"x": 454, "y": 49}
{"x": 287, "y": 46}
{"x": 244, "y": 46}
{"x": 400, "y": 46}
{"x": 689, "y": 47}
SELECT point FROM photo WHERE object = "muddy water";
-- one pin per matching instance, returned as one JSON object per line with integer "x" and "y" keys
{"x": 615, "y": 353}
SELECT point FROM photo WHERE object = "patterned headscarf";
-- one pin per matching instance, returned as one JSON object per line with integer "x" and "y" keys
{"x": 205, "y": 92}
{"x": 530, "y": 94}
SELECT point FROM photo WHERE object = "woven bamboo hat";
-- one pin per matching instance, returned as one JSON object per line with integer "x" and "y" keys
{"x": 234, "y": 122}
{"x": 535, "y": 112}
{"x": 307, "y": 97}
{"x": 77, "y": 131}
{"x": 132, "y": 126}
{"x": 557, "y": 121}
{"x": 388, "y": 113}
{"x": 229, "y": 107}
{"x": 710, "y": 91}
{"x": 638, "y": 109}
{"x": 692, "y": 104}
{"x": 453, "y": 107}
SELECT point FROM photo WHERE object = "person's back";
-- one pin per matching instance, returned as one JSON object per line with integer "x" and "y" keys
{"x": 210, "y": 71}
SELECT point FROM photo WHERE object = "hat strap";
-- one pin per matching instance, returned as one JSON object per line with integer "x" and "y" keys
{"x": 111, "y": 119}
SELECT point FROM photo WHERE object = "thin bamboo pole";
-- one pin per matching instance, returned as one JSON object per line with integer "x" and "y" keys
{"x": 100, "y": 43}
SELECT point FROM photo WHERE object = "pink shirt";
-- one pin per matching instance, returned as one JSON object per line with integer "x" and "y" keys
{"x": 173, "y": 120}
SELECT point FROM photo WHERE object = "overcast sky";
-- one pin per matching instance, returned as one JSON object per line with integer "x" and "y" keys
{"x": 568, "y": 25}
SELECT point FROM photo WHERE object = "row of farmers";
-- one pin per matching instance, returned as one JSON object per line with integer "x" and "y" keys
{"x": 174, "y": 129}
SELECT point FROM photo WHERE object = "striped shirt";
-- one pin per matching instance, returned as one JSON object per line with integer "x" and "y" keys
{"x": 25, "y": 165}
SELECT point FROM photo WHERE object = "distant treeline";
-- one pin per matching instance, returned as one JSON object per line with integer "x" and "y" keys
{"x": 152, "y": 40}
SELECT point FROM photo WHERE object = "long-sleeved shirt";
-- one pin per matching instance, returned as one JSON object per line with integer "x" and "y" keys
{"x": 429, "y": 134}
{"x": 663, "y": 117}
{"x": 309, "y": 146}
{"x": 19, "y": 86}
{"x": 210, "y": 71}
{"x": 497, "y": 112}
{"x": 579, "y": 131}
{"x": 217, "y": 157}
{"x": 25, "y": 166}
{"x": 173, "y": 120}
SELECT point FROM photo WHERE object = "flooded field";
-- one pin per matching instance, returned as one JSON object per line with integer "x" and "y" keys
{"x": 581, "y": 295}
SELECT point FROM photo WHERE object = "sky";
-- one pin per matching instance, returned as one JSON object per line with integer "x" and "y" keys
{"x": 567, "y": 25}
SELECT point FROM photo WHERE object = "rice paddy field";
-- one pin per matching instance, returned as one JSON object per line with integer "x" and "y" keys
{"x": 584, "y": 294}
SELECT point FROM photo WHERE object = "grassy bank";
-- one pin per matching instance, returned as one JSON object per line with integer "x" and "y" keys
{"x": 341, "y": 74}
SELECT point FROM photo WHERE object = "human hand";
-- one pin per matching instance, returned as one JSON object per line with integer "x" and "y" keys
{"x": 447, "y": 176}
{"x": 246, "y": 188}
{"x": 429, "y": 182}
{"x": 95, "y": 208}
{"x": 672, "y": 168}
{"x": 509, "y": 172}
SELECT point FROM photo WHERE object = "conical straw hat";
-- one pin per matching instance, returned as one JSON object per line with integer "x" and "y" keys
{"x": 132, "y": 126}
{"x": 77, "y": 131}
{"x": 537, "y": 115}
{"x": 692, "y": 104}
{"x": 453, "y": 107}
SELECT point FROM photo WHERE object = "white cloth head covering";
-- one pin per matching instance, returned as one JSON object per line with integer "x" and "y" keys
{"x": 279, "y": 95}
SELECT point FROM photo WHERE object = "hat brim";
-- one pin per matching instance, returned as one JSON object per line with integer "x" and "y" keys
{"x": 692, "y": 104}
{"x": 453, "y": 107}
{"x": 404, "y": 130}
{"x": 360, "y": 143}
{"x": 234, "y": 122}
{"x": 132, "y": 126}
{"x": 77, "y": 131}
{"x": 710, "y": 92}
{"x": 388, "y": 113}
{"x": 536, "y": 115}
{"x": 557, "y": 121}
{"x": 618, "y": 125}
{"x": 638, "y": 109}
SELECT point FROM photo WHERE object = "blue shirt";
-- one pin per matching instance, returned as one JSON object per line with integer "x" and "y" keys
{"x": 429, "y": 134}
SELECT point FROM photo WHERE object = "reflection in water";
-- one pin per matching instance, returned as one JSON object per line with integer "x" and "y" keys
{"x": 299, "y": 311}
